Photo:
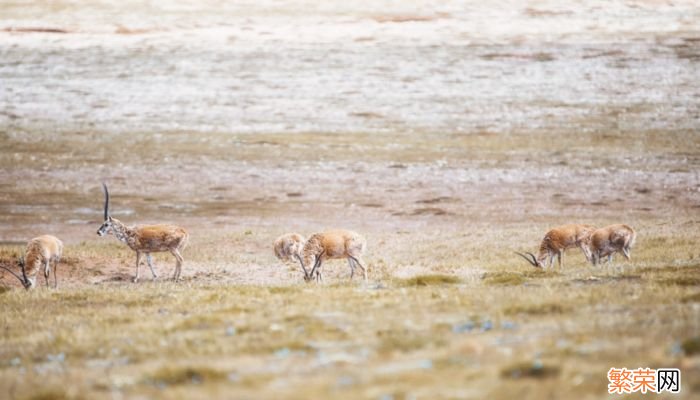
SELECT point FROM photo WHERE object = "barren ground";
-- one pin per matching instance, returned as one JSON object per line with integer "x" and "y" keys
{"x": 450, "y": 135}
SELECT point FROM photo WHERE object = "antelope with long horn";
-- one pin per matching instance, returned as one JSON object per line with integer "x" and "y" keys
{"x": 556, "y": 241}
{"x": 333, "y": 245}
{"x": 146, "y": 239}
{"x": 41, "y": 252}
{"x": 22, "y": 279}
{"x": 605, "y": 242}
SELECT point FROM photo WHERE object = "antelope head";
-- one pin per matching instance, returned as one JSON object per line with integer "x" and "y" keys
{"x": 532, "y": 261}
{"x": 106, "y": 226}
{"x": 26, "y": 283}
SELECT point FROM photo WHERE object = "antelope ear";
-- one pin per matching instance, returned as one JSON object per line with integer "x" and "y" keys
{"x": 109, "y": 218}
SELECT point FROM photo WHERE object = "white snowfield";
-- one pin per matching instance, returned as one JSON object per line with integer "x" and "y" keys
{"x": 342, "y": 66}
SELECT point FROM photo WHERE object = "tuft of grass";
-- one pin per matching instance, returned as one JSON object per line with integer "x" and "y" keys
{"x": 541, "y": 273}
{"x": 691, "y": 346}
{"x": 70, "y": 260}
{"x": 693, "y": 298}
{"x": 535, "y": 369}
{"x": 402, "y": 340}
{"x": 74, "y": 298}
{"x": 185, "y": 375}
{"x": 314, "y": 327}
{"x": 504, "y": 278}
{"x": 680, "y": 281}
{"x": 273, "y": 345}
{"x": 670, "y": 269}
{"x": 537, "y": 309}
{"x": 51, "y": 394}
{"x": 197, "y": 322}
{"x": 430, "y": 280}
{"x": 283, "y": 289}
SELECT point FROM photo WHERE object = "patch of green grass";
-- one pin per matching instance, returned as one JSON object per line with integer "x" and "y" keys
{"x": 430, "y": 280}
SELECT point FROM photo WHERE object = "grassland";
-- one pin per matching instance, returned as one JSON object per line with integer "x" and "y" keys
{"x": 468, "y": 329}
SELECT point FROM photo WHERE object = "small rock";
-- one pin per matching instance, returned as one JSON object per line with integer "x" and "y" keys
{"x": 676, "y": 349}
{"x": 283, "y": 353}
{"x": 60, "y": 357}
{"x": 537, "y": 364}
{"x": 508, "y": 325}
{"x": 345, "y": 381}
{"x": 462, "y": 328}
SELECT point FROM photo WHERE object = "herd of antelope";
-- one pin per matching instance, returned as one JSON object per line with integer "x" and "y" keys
{"x": 320, "y": 247}
{"x": 594, "y": 243}
{"x": 45, "y": 251}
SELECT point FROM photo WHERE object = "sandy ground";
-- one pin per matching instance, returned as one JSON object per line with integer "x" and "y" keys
{"x": 363, "y": 67}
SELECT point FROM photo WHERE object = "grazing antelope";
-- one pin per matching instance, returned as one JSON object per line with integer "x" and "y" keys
{"x": 557, "y": 240}
{"x": 146, "y": 239}
{"x": 333, "y": 245}
{"x": 289, "y": 247}
{"x": 605, "y": 242}
{"x": 42, "y": 251}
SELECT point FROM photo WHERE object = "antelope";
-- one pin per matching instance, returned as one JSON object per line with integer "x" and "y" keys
{"x": 557, "y": 240}
{"x": 42, "y": 251}
{"x": 605, "y": 242}
{"x": 146, "y": 239}
{"x": 334, "y": 244}
{"x": 289, "y": 247}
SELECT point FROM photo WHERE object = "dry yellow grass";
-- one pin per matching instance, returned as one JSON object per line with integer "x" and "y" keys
{"x": 510, "y": 329}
